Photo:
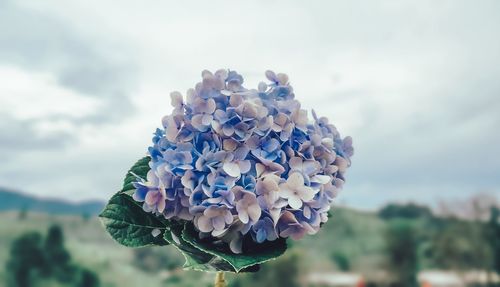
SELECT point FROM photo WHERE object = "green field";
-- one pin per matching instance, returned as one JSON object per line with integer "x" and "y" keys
{"x": 91, "y": 247}
{"x": 357, "y": 235}
{"x": 351, "y": 241}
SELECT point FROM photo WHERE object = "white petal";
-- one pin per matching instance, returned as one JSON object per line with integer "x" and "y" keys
{"x": 328, "y": 142}
{"x": 241, "y": 153}
{"x": 187, "y": 181}
{"x": 271, "y": 76}
{"x": 228, "y": 217}
{"x": 323, "y": 179}
{"x": 235, "y": 100}
{"x": 254, "y": 212}
{"x": 176, "y": 99}
{"x": 245, "y": 166}
{"x": 307, "y": 212}
{"x": 301, "y": 118}
{"x": 295, "y": 163}
{"x": 227, "y": 130}
{"x": 210, "y": 108}
{"x": 161, "y": 205}
{"x": 285, "y": 191}
{"x": 288, "y": 218}
{"x": 152, "y": 178}
{"x": 218, "y": 223}
{"x": 271, "y": 182}
{"x": 175, "y": 238}
{"x": 219, "y": 233}
{"x": 275, "y": 215}
{"x": 236, "y": 245}
{"x": 306, "y": 193}
{"x": 205, "y": 224}
{"x": 155, "y": 232}
{"x": 295, "y": 180}
{"x": 226, "y": 92}
{"x": 310, "y": 167}
{"x": 230, "y": 144}
{"x": 295, "y": 202}
{"x": 206, "y": 120}
{"x": 341, "y": 163}
{"x": 151, "y": 197}
{"x": 243, "y": 216}
{"x": 260, "y": 168}
{"x": 212, "y": 211}
{"x": 232, "y": 169}
{"x": 217, "y": 127}
{"x": 339, "y": 183}
{"x": 197, "y": 123}
{"x": 286, "y": 233}
{"x": 282, "y": 78}
{"x": 262, "y": 87}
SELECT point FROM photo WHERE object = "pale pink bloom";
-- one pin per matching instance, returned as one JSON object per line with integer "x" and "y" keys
{"x": 295, "y": 191}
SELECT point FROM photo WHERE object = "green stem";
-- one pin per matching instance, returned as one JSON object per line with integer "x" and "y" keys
{"x": 219, "y": 280}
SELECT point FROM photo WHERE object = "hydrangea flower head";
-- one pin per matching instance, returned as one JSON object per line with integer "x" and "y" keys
{"x": 244, "y": 163}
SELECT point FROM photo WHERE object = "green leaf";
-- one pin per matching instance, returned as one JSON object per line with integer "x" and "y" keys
{"x": 140, "y": 168}
{"x": 253, "y": 253}
{"x": 197, "y": 259}
{"x": 129, "y": 224}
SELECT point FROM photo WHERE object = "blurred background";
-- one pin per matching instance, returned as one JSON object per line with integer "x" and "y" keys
{"x": 83, "y": 84}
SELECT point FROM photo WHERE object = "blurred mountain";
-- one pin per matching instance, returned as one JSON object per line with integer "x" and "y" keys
{"x": 14, "y": 200}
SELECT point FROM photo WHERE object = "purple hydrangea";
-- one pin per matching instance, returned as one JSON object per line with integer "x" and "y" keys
{"x": 244, "y": 162}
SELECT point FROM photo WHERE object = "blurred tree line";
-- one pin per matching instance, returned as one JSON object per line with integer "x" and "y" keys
{"x": 156, "y": 259}
{"x": 286, "y": 271}
{"x": 35, "y": 261}
{"x": 416, "y": 239}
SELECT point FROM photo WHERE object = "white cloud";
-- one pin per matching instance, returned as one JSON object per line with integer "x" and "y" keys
{"x": 414, "y": 82}
{"x": 33, "y": 95}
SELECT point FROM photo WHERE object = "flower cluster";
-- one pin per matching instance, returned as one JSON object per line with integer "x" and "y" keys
{"x": 244, "y": 162}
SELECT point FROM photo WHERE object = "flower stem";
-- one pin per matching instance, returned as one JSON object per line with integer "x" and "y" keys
{"x": 219, "y": 280}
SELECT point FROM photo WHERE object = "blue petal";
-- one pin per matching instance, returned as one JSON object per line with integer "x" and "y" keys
{"x": 140, "y": 192}
{"x": 261, "y": 235}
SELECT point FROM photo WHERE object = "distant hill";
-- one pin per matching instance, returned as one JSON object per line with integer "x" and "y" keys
{"x": 13, "y": 200}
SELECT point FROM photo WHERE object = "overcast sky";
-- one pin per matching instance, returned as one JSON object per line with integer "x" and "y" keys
{"x": 83, "y": 84}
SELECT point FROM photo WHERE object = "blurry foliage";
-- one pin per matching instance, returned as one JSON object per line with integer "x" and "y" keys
{"x": 402, "y": 245}
{"x": 353, "y": 241}
{"x": 494, "y": 237}
{"x": 35, "y": 261}
{"x": 341, "y": 260}
{"x": 56, "y": 253}
{"x": 155, "y": 259}
{"x": 87, "y": 279}
{"x": 460, "y": 245}
{"x": 409, "y": 211}
{"x": 286, "y": 271}
{"x": 23, "y": 213}
{"x": 415, "y": 238}
{"x": 27, "y": 259}
{"x": 354, "y": 234}
{"x": 86, "y": 216}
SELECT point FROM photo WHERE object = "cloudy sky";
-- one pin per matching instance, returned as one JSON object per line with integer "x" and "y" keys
{"x": 415, "y": 83}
